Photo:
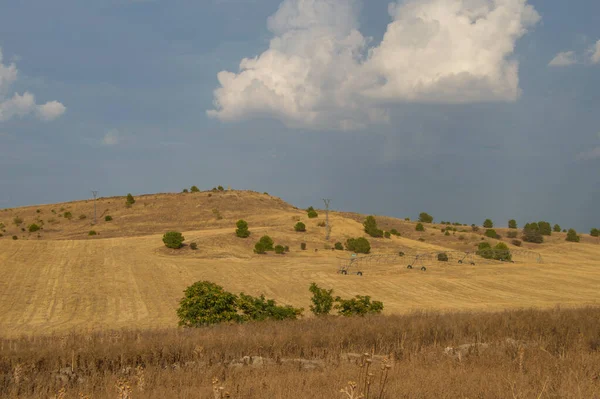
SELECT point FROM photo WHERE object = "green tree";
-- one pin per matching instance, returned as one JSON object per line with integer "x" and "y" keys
{"x": 300, "y": 227}
{"x": 206, "y": 303}
{"x": 484, "y": 249}
{"x": 312, "y": 214}
{"x": 173, "y": 239}
{"x": 572, "y": 236}
{"x": 359, "y": 245}
{"x": 531, "y": 233}
{"x": 33, "y": 228}
{"x": 442, "y": 257}
{"x": 220, "y": 188}
{"x": 338, "y": 246}
{"x": 488, "y": 224}
{"x": 358, "y": 306}
{"x": 130, "y": 199}
{"x": 68, "y": 215}
{"x": 259, "y": 248}
{"x": 322, "y": 300}
{"x": 185, "y": 190}
{"x": 395, "y": 232}
{"x": 512, "y": 224}
{"x": 419, "y": 227}
{"x": 424, "y": 217}
{"x": 491, "y": 233}
{"x": 108, "y": 218}
{"x": 545, "y": 228}
{"x": 279, "y": 249}
{"x": 501, "y": 252}
{"x": 267, "y": 243}
{"x": 242, "y": 229}
{"x": 194, "y": 189}
{"x": 260, "y": 309}
{"x": 556, "y": 228}
{"x": 194, "y": 246}
{"x": 370, "y": 225}
{"x": 387, "y": 234}
{"x": 595, "y": 232}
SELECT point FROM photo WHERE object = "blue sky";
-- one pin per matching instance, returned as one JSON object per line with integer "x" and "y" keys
{"x": 386, "y": 110}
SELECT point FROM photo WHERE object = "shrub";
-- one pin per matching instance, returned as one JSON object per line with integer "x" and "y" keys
{"x": 595, "y": 233}
{"x": 33, "y": 228}
{"x": 173, "y": 239}
{"x": 130, "y": 199}
{"x": 194, "y": 246}
{"x": 259, "y": 248}
{"x": 491, "y": 233}
{"x": 359, "y": 245}
{"x": 484, "y": 249}
{"x": 488, "y": 224}
{"x": 421, "y": 239}
{"x": 474, "y": 228}
{"x": 531, "y": 233}
{"x": 407, "y": 219}
{"x": 322, "y": 300}
{"x": 370, "y": 225}
{"x": 387, "y": 234}
{"x": 92, "y": 233}
{"x": 511, "y": 234}
{"x": 312, "y": 214}
{"x": 108, "y": 218}
{"x": 287, "y": 248}
{"x": 194, "y": 189}
{"x": 185, "y": 190}
{"x": 442, "y": 257}
{"x": 424, "y": 217}
{"x": 267, "y": 242}
{"x": 279, "y": 249}
{"x": 545, "y": 228}
{"x": 572, "y": 236}
{"x": 260, "y": 309}
{"x": 447, "y": 233}
{"x": 512, "y": 224}
{"x": 517, "y": 243}
{"x": 556, "y": 228}
{"x": 206, "y": 303}
{"x": 501, "y": 252}
{"x": 395, "y": 232}
{"x": 242, "y": 229}
{"x": 38, "y": 211}
{"x": 358, "y": 306}
{"x": 220, "y": 188}
{"x": 17, "y": 220}
{"x": 300, "y": 227}
{"x": 303, "y": 246}
{"x": 419, "y": 227}
{"x": 401, "y": 253}
{"x": 338, "y": 245}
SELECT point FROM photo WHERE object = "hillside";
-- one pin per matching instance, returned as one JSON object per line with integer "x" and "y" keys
{"x": 125, "y": 277}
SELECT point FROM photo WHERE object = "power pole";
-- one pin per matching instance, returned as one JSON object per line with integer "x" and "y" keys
{"x": 327, "y": 229}
{"x": 95, "y": 194}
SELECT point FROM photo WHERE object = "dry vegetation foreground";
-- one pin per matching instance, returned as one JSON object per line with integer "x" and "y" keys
{"x": 514, "y": 354}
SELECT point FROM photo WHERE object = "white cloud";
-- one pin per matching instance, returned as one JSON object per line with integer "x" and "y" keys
{"x": 319, "y": 70}
{"x": 589, "y": 155}
{"x": 112, "y": 137}
{"x": 564, "y": 59}
{"x": 594, "y": 53}
{"x": 22, "y": 104}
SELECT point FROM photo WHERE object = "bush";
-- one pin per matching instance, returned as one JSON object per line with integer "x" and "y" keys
{"x": 442, "y": 257}
{"x": 484, "y": 249}
{"x": 359, "y": 245}
{"x": 279, "y": 249}
{"x": 488, "y": 224}
{"x": 517, "y": 243}
{"x": 260, "y": 309}
{"x": 339, "y": 246}
{"x": 130, "y": 200}
{"x": 206, "y": 303}
{"x": 401, "y": 253}
{"x": 512, "y": 224}
{"x": 312, "y": 214}
{"x": 370, "y": 225}
{"x": 491, "y": 233}
{"x": 194, "y": 189}
{"x": 259, "y": 248}
{"x": 300, "y": 227}
{"x": 424, "y": 217}
{"x": 194, "y": 246}
{"x": 286, "y": 248}
{"x": 267, "y": 243}
{"x": 595, "y": 233}
{"x": 358, "y": 306}
{"x": 185, "y": 190}
{"x": 531, "y": 233}
{"x": 220, "y": 188}
{"x": 33, "y": 228}
{"x": 572, "y": 236}
{"x": 474, "y": 228}
{"x": 501, "y": 252}
{"x": 322, "y": 300}
{"x": 242, "y": 229}
{"x": 303, "y": 246}
{"x": 15, "y": 237}
{"x": 395, "y": 232}
{"x": 108, "y": 218}
{"x": 447, "y": 233}
{"x": 419, "y": 227}
{"x": 511, "y": 234}
{"x": 545, "y": 228}
{"x": 173, "y": 239}
{"x": 556, "y": 228}
{"x": 387, "y": 234}
{"x": 92, "y": 233}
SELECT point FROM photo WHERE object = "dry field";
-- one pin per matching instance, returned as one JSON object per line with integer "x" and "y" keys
{"x": 65, "y": 280}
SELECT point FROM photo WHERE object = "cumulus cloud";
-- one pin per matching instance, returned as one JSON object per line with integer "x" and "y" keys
{"x": 19, "y": 105}
{"x": 594, "y": 53}
{"x": 112, "y": 137}
{"x": 564, "y": 59}
{"x": 320, "y": 71}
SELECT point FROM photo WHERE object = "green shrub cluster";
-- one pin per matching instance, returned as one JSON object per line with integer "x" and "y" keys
{"x": 531, "y": 233}
{"x": 130, "y": 200}
{"x": 488, "y": 224}
{"x": 387, "y": 234}
{"x": 92, "y": 233}
{"x": 242, "y": 229}
{"x": 311, "y": 213}
{"x": 338, "y": 246}
{"x": 300, "y": 227}
{"x": 173, "y": 239}
{"x": 205, "y": 303}
{"x": 424, "y": 217}
{"x": 512, "y": 224}
{"x": 512, "y": 234}
{"x": 419, "y": 227}
{"x": 395, "y": 232}
{"x": 359, "y": 245}
{"x": 108, "y": 218}
{"x": 442, "y": 257}
{"x": 499, "y": 252}
{"x": 323, "y": 301}
{"x": 193, "y": 246}
{"x": 263, "y": 245}
{"x": 194, "y": 189}
{"x": 370, "y": 226}
{"x": 491, "y": 233}
{"x": 556, "y": 228}
{"x": 33, "y": 228}
{"x": 595, "y": 232}
{"x": 572, "y": 236}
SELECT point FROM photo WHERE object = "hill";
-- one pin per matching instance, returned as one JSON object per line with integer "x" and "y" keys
{"x": 60, "y": 278}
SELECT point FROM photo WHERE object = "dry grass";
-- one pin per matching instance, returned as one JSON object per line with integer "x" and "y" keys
{"x": 520, "y": 354}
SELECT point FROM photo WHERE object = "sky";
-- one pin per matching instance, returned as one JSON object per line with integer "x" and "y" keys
{"x": 465, "y": 109}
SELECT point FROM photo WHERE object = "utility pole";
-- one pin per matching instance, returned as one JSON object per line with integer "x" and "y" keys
{"x": 95, "y": 194}
{"x": 327, "y": 228}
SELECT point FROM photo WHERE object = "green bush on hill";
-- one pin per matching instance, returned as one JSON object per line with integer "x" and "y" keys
{"x": 130, "y": 200}
{"x": 173, "y": 239}
{"x": 556, "y": 228}
{"x": 424, "y": 217}
{"x": 194, "y": 189}
{"x": 358, "y": 306}
{"x": 359, "y": 245}
{"x": 512, "y": 224}
{"x": 419, "y": 227}
{"x": 300, "y": 227}
{"x": 572, "y": 236}
{"x": 370, "y": 226}
{"x": 33, "y": 228}
{"x": 322, "y": 300}
{"x": 242, "y": 229}
{"x": 338, "y": 246}
{"x": 488, "y": 224}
